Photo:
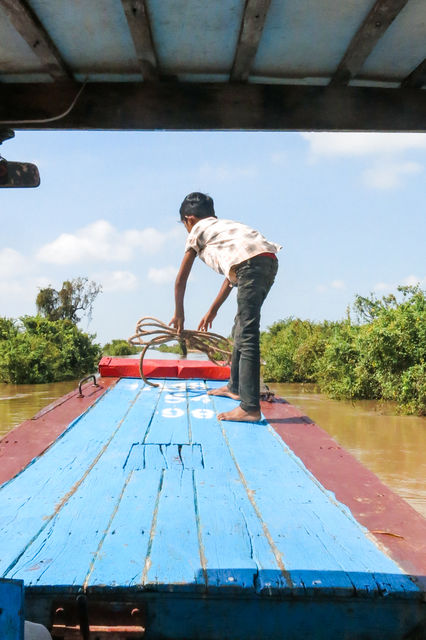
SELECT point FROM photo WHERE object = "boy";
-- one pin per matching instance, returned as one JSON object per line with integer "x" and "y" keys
{"x": 248, "y": 261}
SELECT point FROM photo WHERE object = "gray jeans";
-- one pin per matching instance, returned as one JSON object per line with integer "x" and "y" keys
{"x": 255, "y": 277}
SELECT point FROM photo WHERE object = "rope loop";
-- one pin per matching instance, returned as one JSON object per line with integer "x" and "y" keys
{"x": 216, "y": 347}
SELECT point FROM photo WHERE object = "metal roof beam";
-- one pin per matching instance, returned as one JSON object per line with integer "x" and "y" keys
{"x": 32, "y": 31}
{"x": 140, "y": 29}
{"x": 372, "y": 29}
{"x": 254, "y": 17}
{"x": 205, "y": 106}
{"x": 417, "y": 78}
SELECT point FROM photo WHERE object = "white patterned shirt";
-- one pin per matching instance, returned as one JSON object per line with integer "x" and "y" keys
{"x": 224, "y": 244}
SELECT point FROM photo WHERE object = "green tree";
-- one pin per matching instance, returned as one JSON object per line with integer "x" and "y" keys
{"x": 8, "y": 328}
{"x": 292, "y": 348}
{"x": 382, "y": 357}
{"x": 75, "y": 295}
{"x": 38, "y": 350}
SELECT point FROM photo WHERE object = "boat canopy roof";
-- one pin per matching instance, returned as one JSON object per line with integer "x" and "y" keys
{"x": 235, "y": 64}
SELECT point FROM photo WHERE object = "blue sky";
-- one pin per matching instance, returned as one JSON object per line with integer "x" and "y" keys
{"x": 348, "y": 208}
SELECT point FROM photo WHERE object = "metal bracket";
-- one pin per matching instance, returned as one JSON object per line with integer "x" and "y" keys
{"x": 82, "y": 619}
{"x": 95, "y": 384}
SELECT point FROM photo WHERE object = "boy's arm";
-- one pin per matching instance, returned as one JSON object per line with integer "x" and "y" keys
{"x": 180, "y": 285}
{"x": 207, "y": 320}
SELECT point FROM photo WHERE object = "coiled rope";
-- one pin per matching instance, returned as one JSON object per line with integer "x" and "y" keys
{"x": 216, "y": 347}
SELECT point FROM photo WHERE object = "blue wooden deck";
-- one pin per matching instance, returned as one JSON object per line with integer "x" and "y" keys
{"x": 150, "y": 498}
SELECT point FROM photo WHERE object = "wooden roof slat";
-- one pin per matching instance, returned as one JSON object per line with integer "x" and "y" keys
{"x": 252, "y": 24}
{"x": 27, "y": 24}
{"x": 372, "y": 29}
{"x": 209, "y": 106}
{"x": 417, "y": 78}
{"x": 140, "y": 29}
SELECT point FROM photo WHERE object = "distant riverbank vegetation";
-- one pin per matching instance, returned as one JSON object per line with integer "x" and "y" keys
{"x": 36, "y": 350}
{"x": 119, "y": 347}
{"x": 49, "y": 347}
{"x": 381, "y": 355}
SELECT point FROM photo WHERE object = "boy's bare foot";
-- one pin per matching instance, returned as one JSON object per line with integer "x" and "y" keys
{"x": 239, "y": 415}
{"x": 223, "y": 392}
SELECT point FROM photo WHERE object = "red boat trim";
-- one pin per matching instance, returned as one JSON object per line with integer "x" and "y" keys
{"x": 396, "y": 526}
{"x": 129, "y": 368}
{"x": 32, "y": 437}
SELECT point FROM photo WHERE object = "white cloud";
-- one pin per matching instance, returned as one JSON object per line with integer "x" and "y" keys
{"x": 116, "y": 281}
{"x": 390, "y": 175}
{"x": 16, "y": 279}
{"x": 101, "y": 241}
{"x": 10, "y": 288}
{"x": 12, "y": 263}
{"x": 335, "y": 284}
{"x": 226, "y": 173}
{"x": 383, "y": 286}
{"x": 25, "y": 288}
{"x": 411, "y": 281}
{"x": 163, "y": 275}
{"x": 362, "y": 144}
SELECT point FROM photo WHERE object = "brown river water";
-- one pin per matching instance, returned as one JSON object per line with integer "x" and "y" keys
{"x": 392, "y": 446}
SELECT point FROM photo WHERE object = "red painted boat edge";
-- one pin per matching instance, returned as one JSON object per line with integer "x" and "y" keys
{"x": 31, "y": 438}
{"x": 395, "y": 525}
{"x": 129, "y": 368}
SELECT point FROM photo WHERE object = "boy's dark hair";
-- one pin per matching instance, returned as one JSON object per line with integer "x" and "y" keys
{"x": 197, "y": 204}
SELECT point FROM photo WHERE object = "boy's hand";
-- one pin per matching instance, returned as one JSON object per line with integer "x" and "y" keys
{"x": 177, "y": 322}
{"x": 207, "y": 321}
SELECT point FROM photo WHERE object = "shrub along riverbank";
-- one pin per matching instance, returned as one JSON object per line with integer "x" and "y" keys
{"x": 381, "y": 356}
{"x": 36, "y": 350}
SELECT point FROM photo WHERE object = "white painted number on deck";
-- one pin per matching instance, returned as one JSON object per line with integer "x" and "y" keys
{"x": 203, "y": 413}
{"x": 172, "y": 412}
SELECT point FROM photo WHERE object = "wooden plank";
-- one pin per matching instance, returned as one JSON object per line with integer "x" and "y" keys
{"x": 30, "y": 28}
{"x": 296, "y": 506}
{"x": 173, "y": 562}
{"x": 193, "y": 616}
{"x": 155, "y": 536}
{"x": 31, "y": 500}
{"x": 173, "y": 557}
{"x": 140, "y": 29}
{"x": 369, "y": 33}
{"x": 253, "y": 21}
{"x": 121, "y": 560}
{"x": 417, "y": 78}
{"x": 95, "y": 501}
{"x": 207, "y": 106}
{"x": 234, "y": 546}
{"x": 372, "y": 503}
{"x": 170, "y": 422}
{"x": 11, "y": 609}
{"x": 24, "y": 443}
{"x": 277, "y": 507}
{"x": 219, "y": 548}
